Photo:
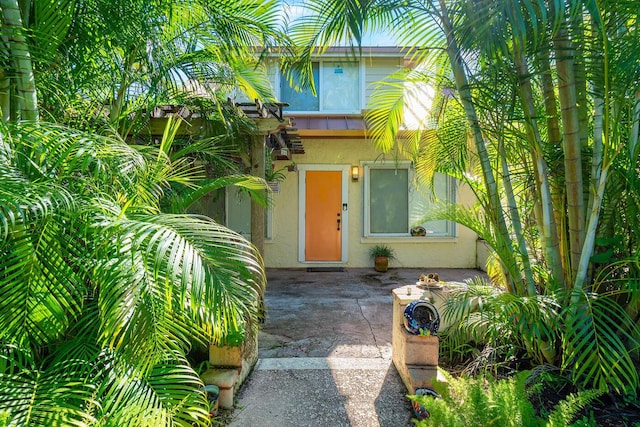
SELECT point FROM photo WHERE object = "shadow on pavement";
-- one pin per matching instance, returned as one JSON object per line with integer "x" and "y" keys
{"x": 325, "y": 350}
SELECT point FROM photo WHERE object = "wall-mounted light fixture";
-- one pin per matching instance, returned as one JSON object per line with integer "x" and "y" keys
{"x": 355, "y": 173}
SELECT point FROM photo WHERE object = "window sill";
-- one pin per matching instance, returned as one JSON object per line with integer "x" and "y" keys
{"x": 326, "y": 113}
{"x": 408, "y": 239}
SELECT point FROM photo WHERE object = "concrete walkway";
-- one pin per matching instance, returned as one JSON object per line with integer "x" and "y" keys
{"x": 325, "y": 351}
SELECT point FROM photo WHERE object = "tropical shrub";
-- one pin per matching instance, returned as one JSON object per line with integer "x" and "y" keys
{"x": 101, "y": 293}
{"x": 535, "y": 110}
{"x": 105, "y": 282}
{"x": 508, "y": 330}
{"x": 485, "y": 401}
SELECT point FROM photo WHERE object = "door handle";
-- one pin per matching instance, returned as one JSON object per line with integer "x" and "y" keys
{"x": 338, "y": 221}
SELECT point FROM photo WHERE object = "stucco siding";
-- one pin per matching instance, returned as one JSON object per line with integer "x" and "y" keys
{"x": 282, "y": 250}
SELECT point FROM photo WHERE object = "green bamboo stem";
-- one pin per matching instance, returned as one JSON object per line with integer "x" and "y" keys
{"x": 596, "y": 157}
{"x": 635, "y": 128}
{"x": 602, "y": 163}
{"x": 5, "y": 98}
{"x": 25, "y": 80}
{"x": 554, "y": 136}
{"x": 587, "y": 249}
{"x": 462, "y": 86}
{"x": 547, "y": 223}
{"x": 572, "y": 147}
{"x": 516, "y": 223}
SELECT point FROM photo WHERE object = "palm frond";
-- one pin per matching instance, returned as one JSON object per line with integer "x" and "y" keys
{"x": 254, "y": 185}
{"x": 43, "y": 150}
{"x": 170, "y": 266}
{"x": 596, "y": 344}
{"x": 169, "y": 395}
{"x": 53, "y": 396}
{"x": 23, "y": 201}
{"x": 42, "y": 285}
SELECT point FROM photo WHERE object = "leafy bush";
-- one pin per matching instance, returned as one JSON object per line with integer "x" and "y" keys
{"x": 586, "y": 334}
{"x": 485, "y": 401}
{"x": 382, "y": 250}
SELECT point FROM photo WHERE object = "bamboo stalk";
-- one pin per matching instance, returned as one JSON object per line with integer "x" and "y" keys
{"x": 25, "y": 80}
{"x": 547, "y": 223}
{"x": 635, "y": 128}
{"x": 587, "y": 249}
{"x": 5, "y": 98}
{"x": 554, "y": 136}
{"x": 462, "y": 86}
{"x": 572, "y": 148}
{"x": 516, "y": 223}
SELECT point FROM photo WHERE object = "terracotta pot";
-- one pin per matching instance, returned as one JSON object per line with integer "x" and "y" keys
{"x": 381, "y": 263}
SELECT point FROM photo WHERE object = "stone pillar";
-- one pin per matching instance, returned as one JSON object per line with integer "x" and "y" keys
{"x": 414, "y": 356}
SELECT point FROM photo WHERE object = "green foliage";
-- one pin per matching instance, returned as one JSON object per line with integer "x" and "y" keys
{"x": 589, "y": 339}
{"x": 382, "y": 250}
{"x": 566, "y": 410}
{"x": 596, "y": 338}
{"x": 101, "y": 293}
{"x": 535, "y": 109}
{"x": 496, "y": 319}
{"x": 192, "y": 53}
{"x": 480, "y": 402}
{"x": 485, "y": 401}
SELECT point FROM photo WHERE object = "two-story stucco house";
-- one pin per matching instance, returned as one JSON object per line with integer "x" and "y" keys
{"x": 344, "y": 196}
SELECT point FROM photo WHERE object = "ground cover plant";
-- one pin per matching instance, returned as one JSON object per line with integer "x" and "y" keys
{"x": 485, "y": 401}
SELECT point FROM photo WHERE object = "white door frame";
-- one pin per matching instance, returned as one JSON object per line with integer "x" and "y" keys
{"x": 302, "y": 194}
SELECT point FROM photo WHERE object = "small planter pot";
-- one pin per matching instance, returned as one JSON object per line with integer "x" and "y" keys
{"x": 381, "y": 263}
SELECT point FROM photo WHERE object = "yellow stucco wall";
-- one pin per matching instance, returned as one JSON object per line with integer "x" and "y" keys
{"x": 282, "y": 250}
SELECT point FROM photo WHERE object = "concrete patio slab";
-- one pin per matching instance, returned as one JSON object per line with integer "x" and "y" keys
{"x": 325, "y": 351}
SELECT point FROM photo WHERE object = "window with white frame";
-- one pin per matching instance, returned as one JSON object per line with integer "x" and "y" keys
{"x": 393, "y": 205}
{"x": 337, "y": 85}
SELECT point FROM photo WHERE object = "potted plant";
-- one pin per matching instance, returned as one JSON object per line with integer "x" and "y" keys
{"x": 381, "y": 255}
{"x": 274, "y": 177}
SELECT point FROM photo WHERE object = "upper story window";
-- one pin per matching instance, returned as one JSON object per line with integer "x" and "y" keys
{"x": 337, "y": 85}
{"x": 393, "y": 205}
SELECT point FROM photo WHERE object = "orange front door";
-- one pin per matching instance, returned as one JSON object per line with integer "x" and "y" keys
{"x": 323, "y": 223}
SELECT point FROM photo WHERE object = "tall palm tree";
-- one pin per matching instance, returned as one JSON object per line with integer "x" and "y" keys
{"x": 548, "y": 91}
{"x": 181, "y": 52}
{"x": 102, "y": 292}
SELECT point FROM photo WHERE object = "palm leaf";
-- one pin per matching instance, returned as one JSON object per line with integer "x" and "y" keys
{"x": 170, "y": 395}
{"x": 594, "y": 342}
{"x": 32, "y": 396}
{"x": 42, "y": 284}
{"x": 172, "y": 266}
{"x": 22, "y": 201}
{"x": 254, "y": 185}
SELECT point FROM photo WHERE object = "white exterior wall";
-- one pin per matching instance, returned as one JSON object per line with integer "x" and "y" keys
{"x": 377, "y": 69}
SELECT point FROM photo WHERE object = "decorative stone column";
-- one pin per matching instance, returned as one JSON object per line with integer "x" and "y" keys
{"x": 416, "y": 356}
